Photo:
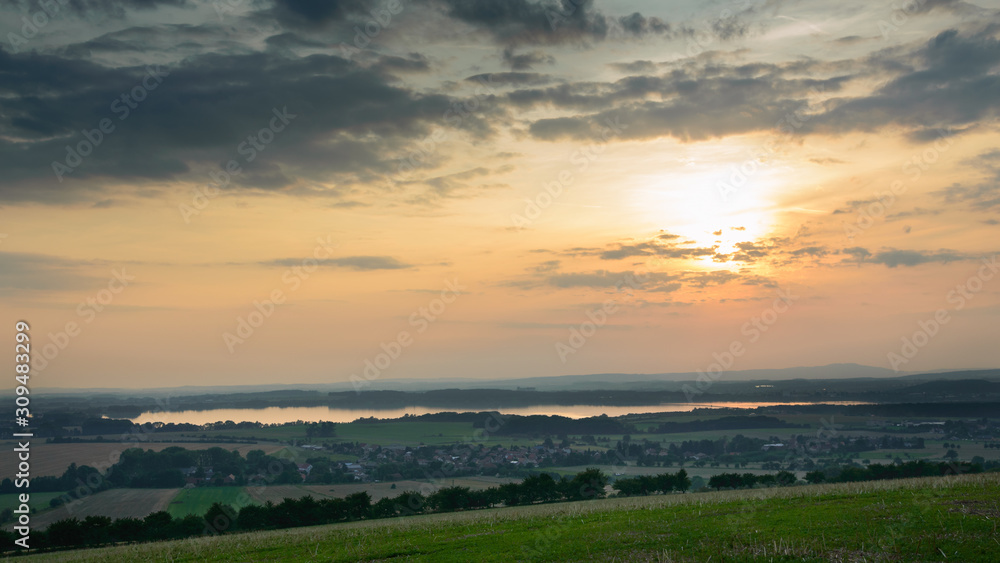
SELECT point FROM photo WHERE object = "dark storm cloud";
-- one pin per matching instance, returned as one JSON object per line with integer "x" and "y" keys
{"x": 84, "y": 6}
{"x": 103, "y": 6}
{"x": 291, "y": 40}
{"x": 696, "y": 104}
{"x": 550, "y": 22}
{"x": 509, "y": 23}
{"x": 949, "y": 81}
{"x": 526, "y": 61}
{"x": 317, "y": 13}
{"x": 928, "y": 134}
{"x": 347, "y": 118}
{"x": 93, "y": 10}
{"x": 512, "y": 78}
{"x": 937, "y": 88}
{"x": 177, "y": 40}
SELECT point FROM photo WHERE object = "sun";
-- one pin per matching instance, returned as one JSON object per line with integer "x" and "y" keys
{"x": 713, "y": 199}
{"x": 702, "y": 220}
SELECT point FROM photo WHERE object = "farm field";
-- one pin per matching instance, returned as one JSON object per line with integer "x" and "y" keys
{"x": 115, "y": 503}
{"x": 53, "y": 459}
{"x": 197, "y": 501}
{"x": 914, "y": 519}
{"x": 406, "y": 433}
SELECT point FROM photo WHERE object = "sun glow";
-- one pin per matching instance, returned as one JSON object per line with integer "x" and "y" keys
{"x": 705, "y": 215}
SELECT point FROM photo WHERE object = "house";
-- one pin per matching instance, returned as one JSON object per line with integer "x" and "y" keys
{"x": 305, "y": 468}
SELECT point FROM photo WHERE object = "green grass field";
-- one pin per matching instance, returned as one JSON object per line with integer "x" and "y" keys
{"x": 197, "y": 501}
{"x": 937, "y": 519}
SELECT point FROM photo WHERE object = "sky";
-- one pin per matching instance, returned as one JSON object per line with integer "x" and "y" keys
{"x": 281, "y": 191}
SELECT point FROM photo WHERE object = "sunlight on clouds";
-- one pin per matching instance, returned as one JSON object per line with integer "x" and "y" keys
{"x": 715, "y": 204}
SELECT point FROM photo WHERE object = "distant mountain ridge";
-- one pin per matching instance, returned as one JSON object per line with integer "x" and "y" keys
{"x": 844, "y": 371}
{"x": 953, "y": 387}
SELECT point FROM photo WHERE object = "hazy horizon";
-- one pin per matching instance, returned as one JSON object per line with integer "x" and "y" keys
{"x": 240, "y": 193}
{"x": 557, "y": 382}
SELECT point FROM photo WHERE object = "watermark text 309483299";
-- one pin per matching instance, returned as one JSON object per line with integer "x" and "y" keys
{"x": 22, "y": 414}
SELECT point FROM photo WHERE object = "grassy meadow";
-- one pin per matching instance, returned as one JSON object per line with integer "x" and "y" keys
{"x": 197, "y": 501}
{"x": 933, "y": 519}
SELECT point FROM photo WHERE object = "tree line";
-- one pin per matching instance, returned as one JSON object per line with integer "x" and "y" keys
{"x": 648, "y": 484}
{"x": 95, "y": 531}
{"x": 878, "y": 471}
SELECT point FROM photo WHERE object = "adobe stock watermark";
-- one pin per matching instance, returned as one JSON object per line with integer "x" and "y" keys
{"x": 122, "y": 107}
{"x": 929, "y": 328}
{"x": 88, "y": 310}
{"x": 421, "y": 319}
{"x": 596, "y": 318}
{"x": 34, "y": 22}
{"x": 249, "y": 149}
{"x": 753, "y": 330}
{"x": 291, "y": 280}
{"x": 582, "y": 159}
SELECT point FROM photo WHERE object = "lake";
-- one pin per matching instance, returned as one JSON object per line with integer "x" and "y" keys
{"x": 280, "y": 415}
